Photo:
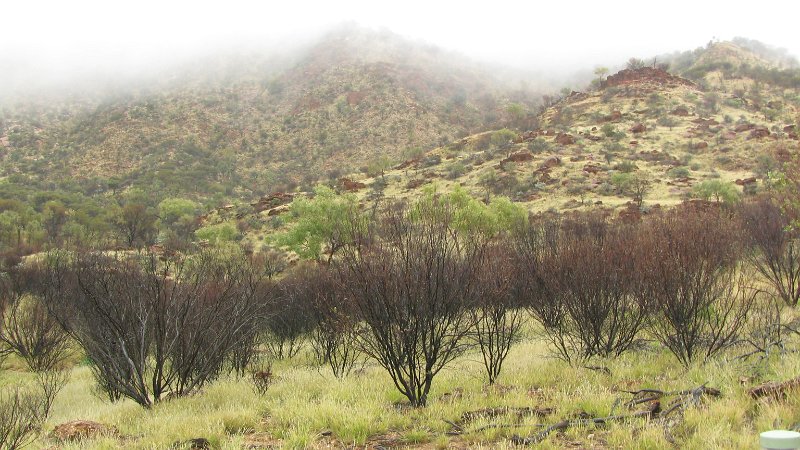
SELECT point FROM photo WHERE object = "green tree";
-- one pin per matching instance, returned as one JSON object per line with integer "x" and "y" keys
{"x": 319, "y": 225}
{"x": 635, "y": 185}
{"x": 379, "y": 166}
{"x": 600, "y": 72}
{"x": 720, "y": 191}
{"x": 516, "y": 114}
{"x": 177, "y": 215}
{"x": 136, "y": 224}
{"x": 54, "y": 217}
{"x": 218, "y": 233}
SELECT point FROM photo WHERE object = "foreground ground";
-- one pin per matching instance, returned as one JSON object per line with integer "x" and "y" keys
{"x": 306, "y": 407}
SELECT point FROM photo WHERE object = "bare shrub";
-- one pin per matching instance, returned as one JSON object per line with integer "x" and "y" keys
{"x": 24, "y": 410}
{"x": 581, "y": 285}
{"x": 28, "y": 330}
{"x": 499, "y": 317}
{"x": 765, "y": 331}
{"x": 412, "y": 279}
{"x": 262, "y": 378}
{"x": 154, "y": 328}
{"x": 699, "y": 293}
{"x": 292, "y": 320}
{"x": 774, "y": 247}
{"x": 335, "y": 333}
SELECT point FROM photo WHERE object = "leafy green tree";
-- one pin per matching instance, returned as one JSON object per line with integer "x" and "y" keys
{"x": 136, "y": 224}
{"x": 54, "y": 217}
{"x": 379, "y": 166}
{"x": 218, "y": 233}
{"x": 500, "y": 138}
{"x": 473, "y": 217}
{"x": 516, "y": 114}
{"x": 635, "y": 185}
{"x": 320, "y": 225}
{"x": 720, "y": 191}
{"x": 600, "y": 72}
{"x": 177, "y": 215}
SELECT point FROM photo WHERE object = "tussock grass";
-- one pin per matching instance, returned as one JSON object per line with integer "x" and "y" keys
{"x": 307, "y": 407}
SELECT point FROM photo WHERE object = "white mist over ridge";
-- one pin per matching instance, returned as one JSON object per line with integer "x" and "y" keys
{"x": 50, "y": 41}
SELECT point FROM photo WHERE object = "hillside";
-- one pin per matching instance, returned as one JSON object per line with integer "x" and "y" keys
{"x": 646, "y": 123}
{"x": 261, "y": 125}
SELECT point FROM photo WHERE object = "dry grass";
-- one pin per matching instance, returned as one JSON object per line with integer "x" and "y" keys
{"x": 306, "y": 407}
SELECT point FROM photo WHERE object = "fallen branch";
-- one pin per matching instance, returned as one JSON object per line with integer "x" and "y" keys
{"x": 774, "y": 389}
{"x": 490, "y": 413}
{"x": 652, "y": 397}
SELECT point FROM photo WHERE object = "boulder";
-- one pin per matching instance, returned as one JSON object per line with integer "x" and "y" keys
{"x": 745, "y": 181}
{"x": 76, "y": 430}
{"x": 592, "y": 168}
{"x": 700, "y": 145}
{"x": 273, "y": 200}
{"x": 564, "y": 139}
{"x": 549, "y": 163}
{"x": 788, "y": 128}
{"x": 278, "y": 211}
{"x": 638, "y": 128}
{"x": 520, "y": 156}
{"x": 615, "y": 116}
{"x": 680, "y": 111}
{"x": 758, "y": 133}
{"x": 349, "y": 185}
{"x": 744, "y": 127}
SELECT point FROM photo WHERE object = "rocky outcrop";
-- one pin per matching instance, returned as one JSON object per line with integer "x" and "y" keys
{"x": 758, "y": 133}
{"x": 564, "y": 139}
{"x": 346, "y": 184}
{"x": 680, "y": 111}
{"x": 645, "y": 75}
{"x": 549, "y": 163}
{"x": 638, "y": 128}
{"x": 272, "y": 201}
{"x": 521, "y": 156}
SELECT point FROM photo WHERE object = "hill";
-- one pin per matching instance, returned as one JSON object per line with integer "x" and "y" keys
{"x": 258, "y": 124}
{"x": 730, "y": 125}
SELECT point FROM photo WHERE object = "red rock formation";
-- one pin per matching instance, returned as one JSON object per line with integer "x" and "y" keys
{"x": 564, "y": 139}
{"x": 645, "y": 75}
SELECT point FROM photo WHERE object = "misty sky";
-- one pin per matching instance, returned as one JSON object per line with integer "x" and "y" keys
{"x": 59, "y": 37}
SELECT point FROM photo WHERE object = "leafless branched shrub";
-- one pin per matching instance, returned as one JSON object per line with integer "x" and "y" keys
{"x": 262, "y": 378}
{"x": 774, "y": 247}
{"x": 151, "y": 327}
{"x": 412, "y": 280}
{"x": 28, "y": 330}
{"x": 765, "y": 331}
{"x": 335, "y": 332}
{"x": 499, "y": 316}
{"x": 292, "y": 320}
{"x": 700, "y": 295}
{"x": 24, "y": 410}
{"x": 580, "y": 283}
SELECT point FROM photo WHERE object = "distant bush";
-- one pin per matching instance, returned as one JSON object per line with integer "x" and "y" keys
{"x": 678, "y": 172}
{"x": 455, "y": 170}
{"x": 219, "y": 233}
{"x": 538, "y": 145}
